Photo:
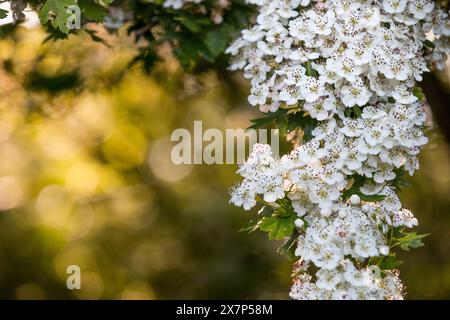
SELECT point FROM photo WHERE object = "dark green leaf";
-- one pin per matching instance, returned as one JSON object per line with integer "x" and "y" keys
{"x": 390, "y": 263}
{"x": 3, "y": 13}
{"x": 92, "y": 10}
{"x": 52, "y": 83}
{"x": 194, "y": 24}
{"x": 278, "y": 227}
{"x": 217, "y": 40}
{"x": 371, "y": 198}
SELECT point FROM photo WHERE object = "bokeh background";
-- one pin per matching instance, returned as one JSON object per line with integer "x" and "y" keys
{"x": 86, "y": 179}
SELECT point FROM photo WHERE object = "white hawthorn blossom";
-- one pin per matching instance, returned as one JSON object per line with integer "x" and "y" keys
{"x": 352, "y": 66}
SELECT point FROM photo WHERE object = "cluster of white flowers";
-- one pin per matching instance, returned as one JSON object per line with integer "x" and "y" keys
{"x": 360, "y": 51}
{"x": 346, "y": 282}
{"x": 337, "y": 229}
{"x": 323, "y": 59}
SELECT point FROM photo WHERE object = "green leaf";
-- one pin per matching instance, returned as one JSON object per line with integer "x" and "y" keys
{"x": 3, "y": 13}
{"x": 358, "y": 182}
{"x": 417, "y": 91}
{"x": 278, "y": 227}
{"x": 194, "y": 24}
{"x": 400, "y": 181}
{"x": 217, "y": 40}
{"x": 190, "y": 49}
{"x": 7, "y": 29}
{"x": 357, "y": 111}
{"x": 353, "y": 112}
{"x": 270, "y": 118}
{"x": 410, "y": 240}
{"x": 310, "y": 71}
{"x": 55, "y": 12}
{"x": 371, "y": 198}
{"x": 282, "y": 124}
{"x": 304, "y": 122}
{"x": 390, "y": 263}
{"x": 265, "y": 211}
{"x": 92, "y": 10}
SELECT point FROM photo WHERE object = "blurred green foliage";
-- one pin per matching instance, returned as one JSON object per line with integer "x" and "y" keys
{"x": 86, "y": 179}
{"x": 198, "y": 33}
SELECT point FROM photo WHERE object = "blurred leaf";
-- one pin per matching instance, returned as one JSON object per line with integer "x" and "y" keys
{"x": 92, "y": 10}
{"x": 400, "y": 181}
{"x": 7, "y": 29}
{"x": 251, "y": 226}
{"x": 54, "y": 84}
{"x": 95, "y": 37}
{"x": 218, "y": 39}
{"x": 149, "y": 58}
{"x": 193, "y": 23}
{"x": 288, "y": 248}
{"x": 3, "y": 13}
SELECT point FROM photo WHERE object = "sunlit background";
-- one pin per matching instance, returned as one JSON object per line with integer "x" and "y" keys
{"x": 86, "y": 179}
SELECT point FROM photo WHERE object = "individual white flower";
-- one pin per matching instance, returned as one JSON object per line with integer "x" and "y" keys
{"x": 252, "y": 35}
{"x": 403, "y": 94}
{"x": 243, "y": 195}
{"x": 312, "y": 89}
{"x": 355, "y": 93}
{"x": 322, "y": 108}
{"x": 396, "y": 68}
{"x": 328, "y": 279}
{"x": 420, "y": 8}
{"x": 384, "y": 174}
{"x": 320, "y": 22}
{"x": 259, "y": 94}
{"x": 365, "y": 247}
{"x": 323, "y": 195}
{"x": 347, "y": 68}
{"x": 345, "y": 7}
{"x": 404, "y": 218}
{"x": 394, "y": 6}
{"x": 376, "y": 132}
{"x": 329, "y": 257}
{"x": 299, "y": 29}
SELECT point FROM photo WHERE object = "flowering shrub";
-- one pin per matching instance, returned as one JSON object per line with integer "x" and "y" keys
{"x": 346, "y": 72}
